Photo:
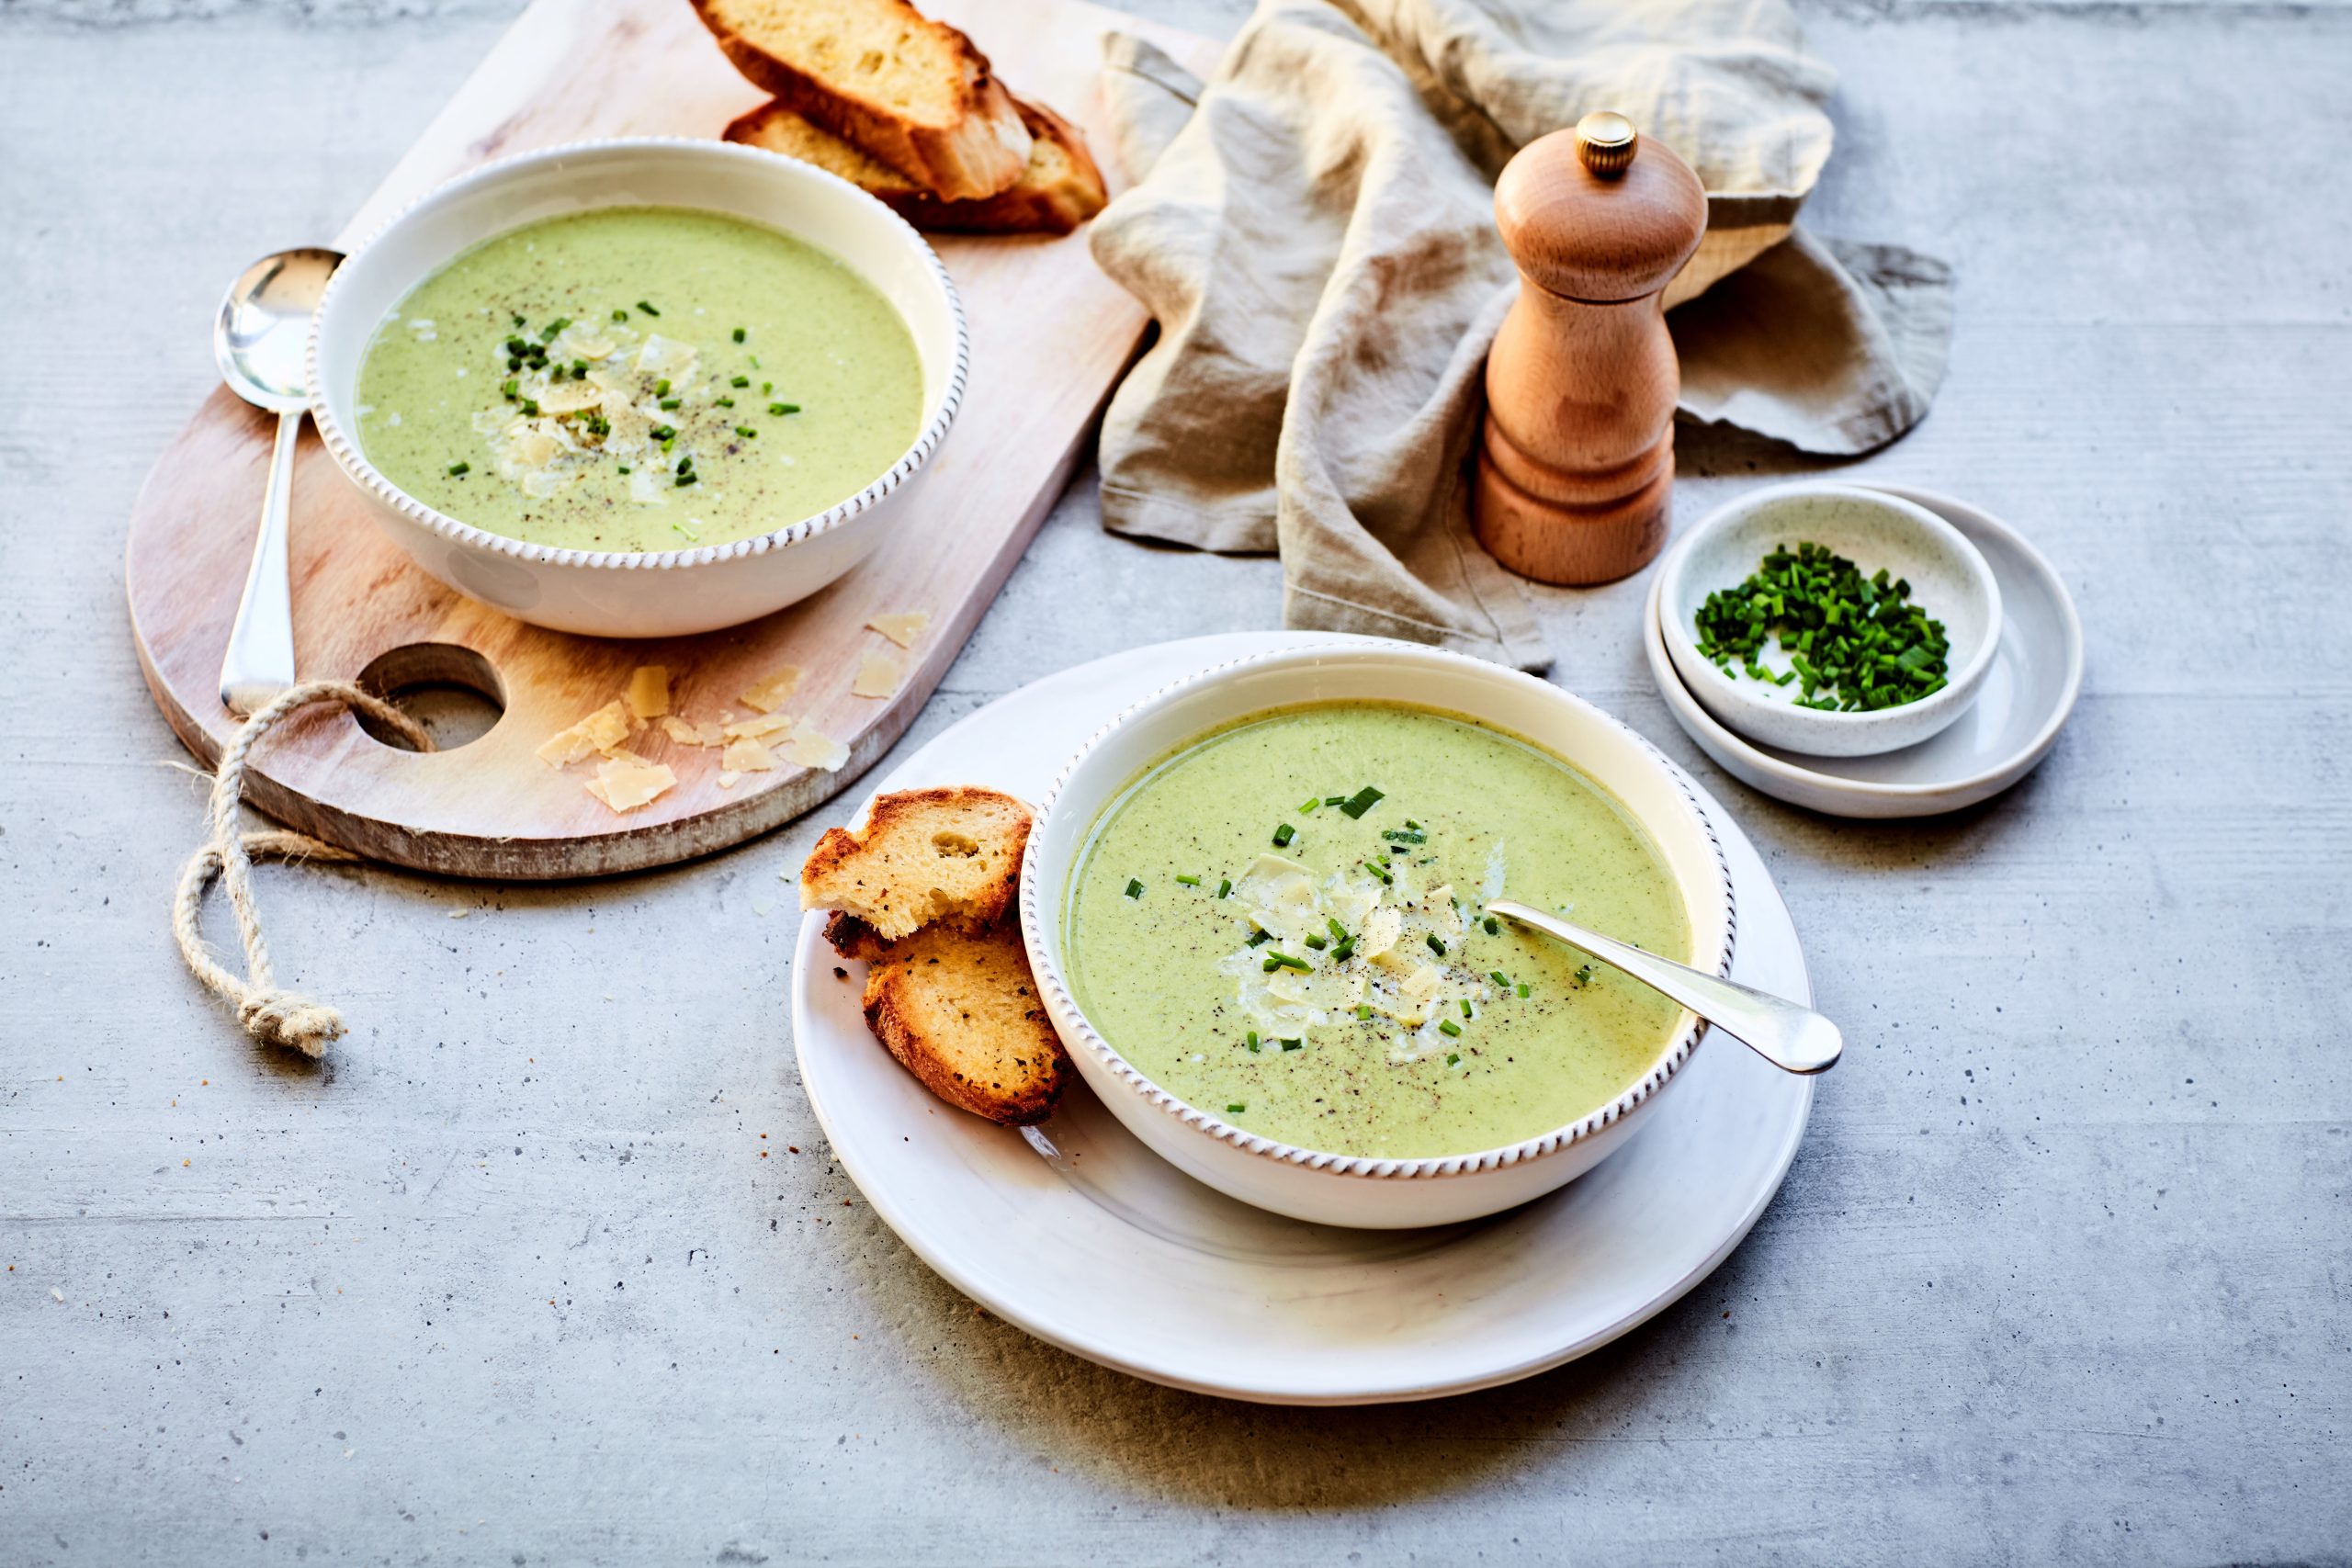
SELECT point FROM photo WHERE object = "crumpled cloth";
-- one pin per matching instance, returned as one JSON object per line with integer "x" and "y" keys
{"x": 1313, "y": 229}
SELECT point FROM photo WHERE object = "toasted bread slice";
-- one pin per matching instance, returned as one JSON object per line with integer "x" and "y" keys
{"x": 912, "y": 92}
{"x": 926, "y": 856}
{"x": 853, "y": 938}
{"x": 961, "y": 1012}
{"x": 1059, "y": 190}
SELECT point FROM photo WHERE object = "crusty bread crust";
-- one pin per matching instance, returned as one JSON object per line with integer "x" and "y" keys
{"x": 1059, "y": 189}
{"x": 977, "y": 150}
{"x": 961, "y": 1012}
{"x": 853, "y": 938}
{"x": 949, "y": 856}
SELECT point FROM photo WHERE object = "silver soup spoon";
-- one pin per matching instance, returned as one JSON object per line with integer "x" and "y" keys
{"x": 1794, "y": 1038}
{"x": 261, "y": 342}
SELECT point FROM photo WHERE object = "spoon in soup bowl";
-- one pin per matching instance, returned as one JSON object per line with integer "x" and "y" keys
{"x": 1792, "y": 1038}
{"x": 261, "y": 342}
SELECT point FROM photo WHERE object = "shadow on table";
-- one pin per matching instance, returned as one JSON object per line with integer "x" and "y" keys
{"x": 1200, "y": 1449}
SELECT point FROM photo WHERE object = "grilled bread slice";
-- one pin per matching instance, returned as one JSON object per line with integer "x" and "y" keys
{"x": 914, "y": 94}
{"x": 961, "y": 1012}
{"x": 1059, "y": 190}
{"x": 950, "y": 857}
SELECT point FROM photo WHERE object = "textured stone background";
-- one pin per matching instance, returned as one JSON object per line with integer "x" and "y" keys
{"x": 2060, "y": 1274}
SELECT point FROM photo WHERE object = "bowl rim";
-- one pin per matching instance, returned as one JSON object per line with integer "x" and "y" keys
{"x": 1689, "y": 1029}
{"x": 1959, "y": 690}
{"x": 356, "y": 466}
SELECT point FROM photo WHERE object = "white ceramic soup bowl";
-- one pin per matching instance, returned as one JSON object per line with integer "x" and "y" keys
{"x": 1318, "y": 1185}
{"x": 1949, "y": 579}
{"x": 655, "y": 594}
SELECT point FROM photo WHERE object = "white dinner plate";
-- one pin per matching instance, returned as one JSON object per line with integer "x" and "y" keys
{"x": 2037, "y": 673}
{"x": 1078, "y": 1233}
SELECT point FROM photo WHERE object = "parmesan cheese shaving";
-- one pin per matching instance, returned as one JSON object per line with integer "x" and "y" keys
{"x": 679, "y": 730}
{"x": 747, "y": 755}
{"x": 771, "y": 692}
{"x": 649, "y": 691}
{"x": 600, "y": 731}
{"x": 756, "y": 728}
{"x": 629, "y": 782}
{"x": 879, "y": 673}
{"x": 903, "y": 629}
{"x": 811, "y": 749}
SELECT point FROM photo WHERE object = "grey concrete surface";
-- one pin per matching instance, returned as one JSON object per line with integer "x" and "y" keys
{"x": 2060, "y": 1273}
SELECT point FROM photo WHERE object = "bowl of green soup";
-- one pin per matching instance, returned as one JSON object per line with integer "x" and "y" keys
{"x": 639, "y": 388}
{"x": 1256, "y": 908}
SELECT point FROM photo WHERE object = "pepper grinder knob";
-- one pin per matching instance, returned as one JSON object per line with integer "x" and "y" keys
{"x": 1576, "y": 464}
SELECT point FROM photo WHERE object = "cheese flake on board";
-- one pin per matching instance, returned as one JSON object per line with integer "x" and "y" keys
{"x": 811, "y": 749}
{"x": 649, "y": 691}
{"x": 905, "y": 629}
{"x": 755, "y": 729}
{"x": 600, "y": 731}
{"x": 879, "y": 673}
{"x": 773, "y": 690}
{"x": 629, "y": 782}
{"x": 747, "y": 755}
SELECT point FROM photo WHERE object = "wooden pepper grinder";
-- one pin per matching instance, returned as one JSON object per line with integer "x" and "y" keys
{"x": 1576, "y": 468}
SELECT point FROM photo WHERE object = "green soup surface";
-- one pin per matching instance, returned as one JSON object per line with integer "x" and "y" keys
{"x": 1282, "y": 923}
{"x": 638, "y": 378}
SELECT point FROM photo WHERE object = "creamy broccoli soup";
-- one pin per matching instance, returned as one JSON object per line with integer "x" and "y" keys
{"x": 638, "y": 378}
{"x": 1282, "y": 924}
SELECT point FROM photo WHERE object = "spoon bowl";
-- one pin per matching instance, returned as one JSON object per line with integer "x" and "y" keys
{"x": 261, "y": 342}
{"x": 1793, "y": 1039}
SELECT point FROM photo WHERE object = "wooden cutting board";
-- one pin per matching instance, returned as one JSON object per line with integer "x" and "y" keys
{"x": 1050, "y": 335}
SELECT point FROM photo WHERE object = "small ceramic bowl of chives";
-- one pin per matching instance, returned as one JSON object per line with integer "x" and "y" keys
{"x": 1944, "y": 574}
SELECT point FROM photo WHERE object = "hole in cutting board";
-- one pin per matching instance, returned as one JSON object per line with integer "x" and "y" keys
{"x": 453, "y": 692}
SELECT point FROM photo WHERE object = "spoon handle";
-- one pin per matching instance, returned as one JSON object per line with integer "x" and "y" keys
{"x": 1796, "y": 1039}
{"x": 260, "y": 660}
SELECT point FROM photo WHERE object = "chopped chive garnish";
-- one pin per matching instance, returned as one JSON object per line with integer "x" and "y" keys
{"x": 531, "y": 406}
{"x": 1283, "y": 835}
{"x": 1319, "y": 943}
{"x": 1450, "y": 1029}
{"x": 1413, "y": 825}
{"x": 647, "y": 309}
{"x": 1134, "y": 889}
{"x": 784, "y": 408}
{"x": 776, "y": 408}
{"x": 1405, "y": 836}
{"x": 1493, "y": 927}
{"x": 518, "y": 321}
{"x": 738, "y": 338}
{"x": 672, "y": 402}
{"x": 1362, "y": 801}
{"x": 1189, "y": 881}
{"x": 723, "y": 403}
{"x": 459, "y": 470}
{"x": 746, "y": 432}
{"x": 1521, "y": 987}
{"x": 1435, "y": 945}
{"x": 554, "y": 327}
{"x": 1310, "y": 803}
{"x": 1584, "y": 975}
{"x": 1257, "y": 938}
{"x": 1234, "y": 1109}
{"x": 1344, "y": 952}
{"x": 1500, "y": 978}
{"x": 1453, "y": 1058}
{"x": 683, "y": 481}
{"x": 661, "y": 387}
{"x": 766, "y": 387}
{"x": 1465, "y": 1007}
{"x": 1364, "y": 1011}
{"x": 1223, "y": 886}
{"x": 740, "y": 381}
{"x": 1339, "y": 932}
{"x": 1376, "y": 871}
{"x": 687, "y": 463}
{"x": 623, "y": 467}
{"x": 661, "y": 433}
{"x": 1284, "y": 961}
{"x": 1293, "y": 1044}
{"x": 1253, "y": 1040}
{"x": 620, "y": 315}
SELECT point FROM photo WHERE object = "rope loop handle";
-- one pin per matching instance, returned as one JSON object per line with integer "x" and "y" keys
{"x": 270, "y": 1015}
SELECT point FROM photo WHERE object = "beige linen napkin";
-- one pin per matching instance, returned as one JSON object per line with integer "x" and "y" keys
{"x": 1313, "y": 230}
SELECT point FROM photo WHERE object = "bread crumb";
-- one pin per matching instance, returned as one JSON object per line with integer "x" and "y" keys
{"x": 905, "y": 629}
{"x": 770, "y": 692}
{"x": 649, "y": 691}
{"x": 879, "y": 673}
{"x": 600, "y": 731}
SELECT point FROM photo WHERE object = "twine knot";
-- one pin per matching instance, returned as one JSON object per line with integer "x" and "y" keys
{"x": 271, "y": 1016}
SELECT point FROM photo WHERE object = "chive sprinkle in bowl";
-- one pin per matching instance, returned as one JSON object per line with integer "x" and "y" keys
{"x": 1946, "y": 579}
